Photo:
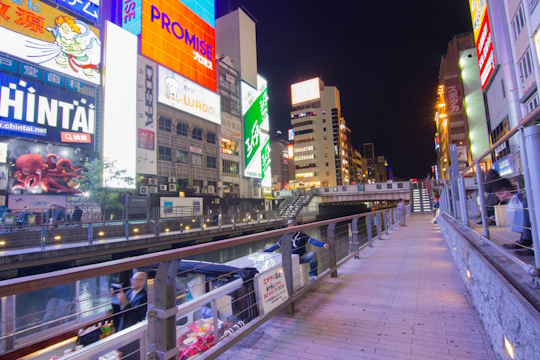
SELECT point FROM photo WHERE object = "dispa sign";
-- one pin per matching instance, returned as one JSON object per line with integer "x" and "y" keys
{"x": 177, "y": 38}
{"x": 483, "y": 40}
{"x": 146, "y": 116}
{"x": 40, "y": 34}
{"x": 185, "y": 95}
{"x": 32, "y": 110}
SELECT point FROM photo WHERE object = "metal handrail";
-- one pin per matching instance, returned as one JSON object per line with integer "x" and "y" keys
{"x": 42, "y": 281}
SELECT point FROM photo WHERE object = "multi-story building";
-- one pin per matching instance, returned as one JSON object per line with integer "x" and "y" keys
{"x": 381, "y": 166}
{"x": 319, "y": 132}
{"x": 358, "y": 175}
{"x": 460, "y": 122}
{"x": 370, "y": 169}
{"x": 349, "y": 178}
{"x": 279, "y": 151}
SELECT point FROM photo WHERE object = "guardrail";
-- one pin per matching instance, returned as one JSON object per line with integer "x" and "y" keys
{"x": 169, "y": 222}
{"x": 510, "y": 201}
{"x": 39, "y": 309}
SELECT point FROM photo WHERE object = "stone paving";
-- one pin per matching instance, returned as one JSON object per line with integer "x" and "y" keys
{"x": 404, "y": 299}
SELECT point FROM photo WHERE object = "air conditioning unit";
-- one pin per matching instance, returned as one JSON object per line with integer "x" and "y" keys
{"x": 153, "y": 189}
{"x": 171, "y": 180}
{"x": 163, "y": 188}
{"x": 196, "y": 189}
{"x": 143, "y": 190}
{"x": 152, "y": 181}
{"x": 205, "y": 191}
{"x": 211, "y": 189}
{"x": 172, "y": 187}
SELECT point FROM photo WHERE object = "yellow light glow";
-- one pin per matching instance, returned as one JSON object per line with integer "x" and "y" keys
{"x": 166, "y": 230}
{"x": 101, "y": 233}
{"x": 2, "y": 243}
{"x": 468, "y": 273}
{"x": 454, "y": 248}
{"x": 192, "y": 220}
{"x": 57, "y": 237}
{"x": 509, "y": 347}
{"x": 136, "y": 230}
{"x": 187, "y": 227}
{"x": 204, "y": 226}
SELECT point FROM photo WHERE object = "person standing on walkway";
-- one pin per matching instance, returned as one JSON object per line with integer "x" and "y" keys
{"x": 402, "y": 210}
{"x": 299, "y": 243}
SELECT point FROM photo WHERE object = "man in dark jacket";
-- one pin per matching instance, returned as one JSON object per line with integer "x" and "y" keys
{"x": 77, "y": 214}
{"x": 299, "y": 243}
{"x": 133, "y": 306}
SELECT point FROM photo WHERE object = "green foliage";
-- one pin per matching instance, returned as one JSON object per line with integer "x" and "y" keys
{"x": 105, "y": 194}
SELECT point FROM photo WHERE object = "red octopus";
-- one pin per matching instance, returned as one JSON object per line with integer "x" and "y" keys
{"x": 33, "y": 171}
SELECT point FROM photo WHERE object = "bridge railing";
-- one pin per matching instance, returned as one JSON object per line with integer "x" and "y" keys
{"x": 130, "y": 224}
{"x": 503, "y": 205}
{"x": 199, "y": 299}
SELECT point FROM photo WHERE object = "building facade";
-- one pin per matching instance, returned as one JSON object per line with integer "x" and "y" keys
{"x": 279, "y": 150}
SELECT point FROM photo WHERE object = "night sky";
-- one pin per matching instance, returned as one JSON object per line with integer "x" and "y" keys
{"x": 383, "y": 56}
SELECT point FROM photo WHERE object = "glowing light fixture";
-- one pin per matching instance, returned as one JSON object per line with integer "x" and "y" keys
{"x": 101, "y": 233}
{"x": 166, "y": 230}
{"x": 136, "y": 230}
{"x": 2, "y": 243}
{"x": 509, "y": 348}
{"x": 468, "y": 273}
{"x": 57, "y": 237}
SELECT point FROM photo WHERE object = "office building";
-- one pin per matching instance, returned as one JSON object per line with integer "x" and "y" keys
{"x": 279, "y": 150}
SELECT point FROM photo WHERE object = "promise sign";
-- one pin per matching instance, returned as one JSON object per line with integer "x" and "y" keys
{"x": 174, "y": 36}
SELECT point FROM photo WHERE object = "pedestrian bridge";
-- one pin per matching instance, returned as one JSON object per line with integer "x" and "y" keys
{"x": 383, "y": 291}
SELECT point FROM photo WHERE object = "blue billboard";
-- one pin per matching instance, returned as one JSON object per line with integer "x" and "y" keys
{"x": 205, "y": 9}
{"x": 86, "y": 8}
{"x": 29, "y": 109}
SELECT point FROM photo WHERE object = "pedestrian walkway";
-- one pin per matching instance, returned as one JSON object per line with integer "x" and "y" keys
{"x": 404, "y": 299}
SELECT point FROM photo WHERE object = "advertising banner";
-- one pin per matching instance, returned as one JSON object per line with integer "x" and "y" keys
{"x": 35, "y": 202}
{"x": 252, "y": 142}
{"x": 230, "y": 126}
{"x": 36, "y": 168}
{"x": 132, "y": 16}
{"x": 86, "y": 8}
{"x": 305, "y": 91}
{"x": 33, "y": 110}
{"x": 3, "y": 177}
{"x": 454, "y": 99}
{"x": 177, "y": 38}
{"x": 182, "y": 94}
{"x": 260, "y": 95}
{"x": 265, "y": 161}
{"x": 146, "y": 116}
{"x": 43, "y": 35}
{"x": 483, "y": 40}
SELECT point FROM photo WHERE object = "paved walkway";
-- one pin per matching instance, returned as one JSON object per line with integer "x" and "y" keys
{"x": 404, "y": 299}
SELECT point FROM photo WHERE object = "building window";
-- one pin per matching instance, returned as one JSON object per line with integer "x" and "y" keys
{"x": 181, "y": 129}
{"x": 525, "y": 65}
{"x": 302, "y": 149}
{"x": 304, "y": 157}
{"x": 305, "y": 140}
{"x": 211, "y": 138}
{"x": 325, "y": 146}
{"x": 196, "y": 134}
{"x": 531, "y": 105}
{"x": 196, "y": 159}
{"x": 519, "y": 21}
{"x": 230, "y": 167}
{"x": 503, "y": 89}
{"x": 164, "y": 153}
{"x": 324, "y": 121}
{"x": 324, "y": 129}
{"x": 164, "y": 124}
{"x": 182, "y": 157}
{"x": 324, "y": 137}
{"x": 211, "y": 162}
{"x": 304, "y": 123}
{"x": 326, "y": 164}
{"x": 308, "y": 131}
{"x": 327, "y": 173}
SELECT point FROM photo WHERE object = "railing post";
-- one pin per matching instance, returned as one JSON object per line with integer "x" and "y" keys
{"x": 275, "y": 215}
{"x": 531, "y": 173}
{"x": 156, "y": 227}
{"x": 448, "y": 200}
{"x": 351, "y": 248}
{"x": 369, "y": 230}
{"x": 453, "y": 194}
{"x": 90, "y": 233}
{"x": 126, "y": 228}
{"x": 396, "y": 217}
{"x": 234, "y": 221}
{"x": 480, "y": 181}
{"x": 286, "y": 261}
{"x": 258, "y": 218}
{"x": 219, "y": 220}
{"x": 385, "y": 219}
{"x": 331, "y": 235}
{"x": 355, "y": 239}
{"x": 43, "y": 232}
{"x": 267, "y": 216}
{"x": 202, "y": 222}
{"x": 463, "y": 201}
{"x": 162, "y": 319}
{"x": 378, "y": 224}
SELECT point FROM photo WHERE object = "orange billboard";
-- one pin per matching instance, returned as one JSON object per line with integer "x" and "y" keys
{"x": 176, "y": 37}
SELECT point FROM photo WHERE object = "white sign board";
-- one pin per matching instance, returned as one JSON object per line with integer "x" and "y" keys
{"x": 305, "y": 91}
{"x": 272, "y": 289}
{"x": 185, "y": 95}
{"x": 146, "y": 116}
{"x": 3, "y": 152}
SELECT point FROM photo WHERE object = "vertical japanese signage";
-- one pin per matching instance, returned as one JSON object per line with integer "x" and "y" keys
{"x": 483, "y": 40}
{"x": 454, "y": 99}
{"x": 146, "y": 116}
{"x": 40, "y": 34}
{"x": 174, "y": 36}
{"x": 256, "y": 138}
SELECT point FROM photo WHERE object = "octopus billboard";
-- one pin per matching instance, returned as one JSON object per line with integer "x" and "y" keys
{"x": 35, "y": 168}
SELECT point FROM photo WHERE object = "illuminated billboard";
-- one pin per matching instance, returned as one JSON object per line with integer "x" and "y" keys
{"x": 174, "y": 36}
{"x": 256, "y": 138}
{"x": 120, "y": 103}
{"x": 34, "y": 110}
{"x": 305, "y": 91}
{"x": 182, "y": 94}
{"x": 41, "y": 34}
{"x": 146, "y": 116}
{"x": 132, "y": 16}
{"x": 291, "y": 134}
{"x": 483, "y": 40}
{"x": 86, "y": 8}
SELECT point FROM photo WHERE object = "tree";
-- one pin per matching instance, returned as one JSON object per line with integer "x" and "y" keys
{"x": 103, "y": 192}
